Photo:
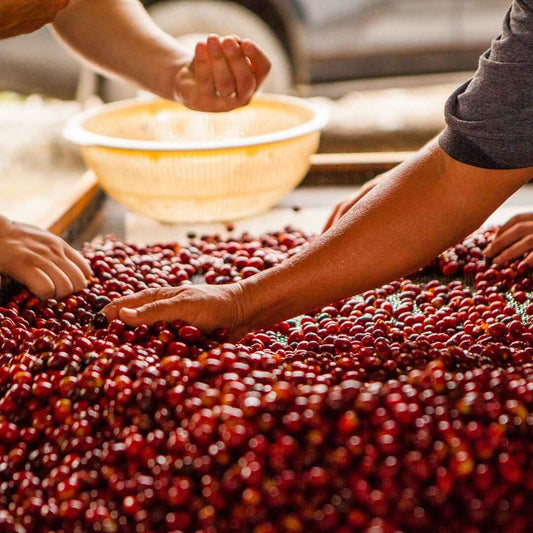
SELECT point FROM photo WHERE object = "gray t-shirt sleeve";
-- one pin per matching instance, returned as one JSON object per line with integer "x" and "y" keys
{"x": 490, "y": 118}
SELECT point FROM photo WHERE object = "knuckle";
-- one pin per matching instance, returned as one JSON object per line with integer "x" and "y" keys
{"x": 153, "y": 292}
{"x": 154, "y": 307}
{"x": 57, "y": 248}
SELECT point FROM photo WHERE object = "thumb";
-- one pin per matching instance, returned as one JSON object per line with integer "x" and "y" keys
{"x": 166, "y": 310}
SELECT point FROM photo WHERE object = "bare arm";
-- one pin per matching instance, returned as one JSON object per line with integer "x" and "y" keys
{"x": 425, "y": 205}
{"x": 118, "y": 37}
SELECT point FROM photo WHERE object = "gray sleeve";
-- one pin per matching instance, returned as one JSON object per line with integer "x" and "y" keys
{"x": 490, "y": 118}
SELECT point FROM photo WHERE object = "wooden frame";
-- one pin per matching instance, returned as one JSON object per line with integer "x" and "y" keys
{"x": 61, "y": 218}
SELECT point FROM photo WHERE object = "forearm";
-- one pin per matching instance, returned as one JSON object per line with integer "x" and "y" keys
{"x": 118, "y": 37}
{"x": 424, "y": 206}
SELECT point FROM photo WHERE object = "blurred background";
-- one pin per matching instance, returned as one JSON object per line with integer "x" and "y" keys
{"x": 384, "y": 66}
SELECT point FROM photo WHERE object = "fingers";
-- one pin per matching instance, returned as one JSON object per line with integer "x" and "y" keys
{"x": 522, "y": 217}
{"x": 62, "y": 284}
{"x": 43, "y": 262}
{"x": 137, "y": 300}
{"x": 222, "y": 74}
{"x": 245, "y": 81}
{"x": 260, "y": 63}
{"x": 516, "y": 250}
{"x": 150, "y": 313}
{"x": 66, "y": 267}
{"x": 79, "y": 261}
{"x": 37, "y": 282}
{"x": 77, "y": 278}
{"x": 203, "y": 72}
{"x": 512, "y": 234}
{"x": 44, "y": 279}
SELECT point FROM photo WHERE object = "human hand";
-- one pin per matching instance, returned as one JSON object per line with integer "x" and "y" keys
{"x": 343, "y": 207}
{"x": 208, "y": 307}
{"x": 46, "y": 264}
{"x": 513, "y": 240}
{"x": 26, "y": 16}
{"x": 223, "y": 75}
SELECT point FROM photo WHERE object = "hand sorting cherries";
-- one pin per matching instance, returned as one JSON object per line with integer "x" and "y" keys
{"x": 407, "y": 408}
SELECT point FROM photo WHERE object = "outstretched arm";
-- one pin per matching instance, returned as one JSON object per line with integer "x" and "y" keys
{"x": 118, "y": 37}
{"x": 425, "y": 205}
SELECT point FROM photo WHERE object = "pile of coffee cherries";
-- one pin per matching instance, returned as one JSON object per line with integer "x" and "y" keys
{"x": 406, "y": 408}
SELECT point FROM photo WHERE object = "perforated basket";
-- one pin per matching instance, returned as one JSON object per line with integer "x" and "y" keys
{"x": 165, "y": 161}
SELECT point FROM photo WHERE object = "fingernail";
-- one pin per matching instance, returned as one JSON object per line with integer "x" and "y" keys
{"x": 228, "y": 43}
{"x": 128, "y": 313}
{"x": 201, "y": 51}
{"x": 213, "y": 43}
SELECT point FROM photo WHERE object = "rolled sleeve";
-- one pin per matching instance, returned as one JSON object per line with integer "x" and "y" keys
{"x": 490, "y": 118}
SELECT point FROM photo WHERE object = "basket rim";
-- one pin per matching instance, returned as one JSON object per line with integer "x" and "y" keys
{"x": 76, "y": 133}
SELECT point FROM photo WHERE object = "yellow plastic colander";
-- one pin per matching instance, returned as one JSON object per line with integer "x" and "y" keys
{"x": 160, "y": 159}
